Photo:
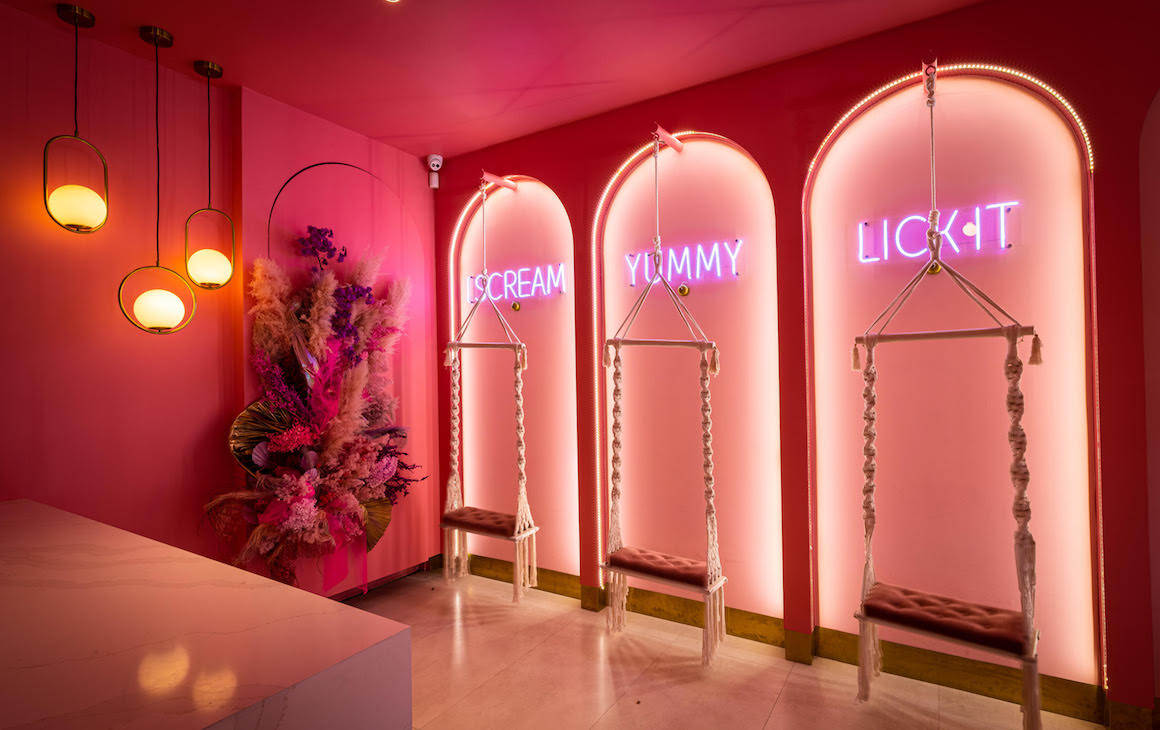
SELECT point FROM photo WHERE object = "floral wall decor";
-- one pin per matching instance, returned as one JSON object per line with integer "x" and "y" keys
{"x": 322, "y": 447}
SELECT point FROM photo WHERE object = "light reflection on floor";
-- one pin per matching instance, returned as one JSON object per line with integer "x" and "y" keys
{"x": 478, "y": 661}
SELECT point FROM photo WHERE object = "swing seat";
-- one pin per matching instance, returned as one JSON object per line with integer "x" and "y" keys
{"x": 661, "y": 565}
{"x": 997, "y": 629}
{"x": 480, "y": 521}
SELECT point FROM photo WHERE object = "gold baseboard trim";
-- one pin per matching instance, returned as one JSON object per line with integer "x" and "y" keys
{"x": 691, "y": 612}
{"x": 593, "y": 598}
{"x": 799, "y": 647}
{"x": 1061, "y": 696}
{"x": 551, "y": 581}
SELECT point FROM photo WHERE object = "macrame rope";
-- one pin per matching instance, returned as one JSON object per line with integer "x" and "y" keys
{"x": 1021, "y": 510}
{"x": 715, "y": 602}
{"x": 455, "y": 562}
{"x": 710, "y": 364}
{"x": 869, "y": 660}
{"x": 870, "y": 655}
{"x": 454, "y": 541}
{"x": 524, "y": 575}
{"x": 615, "y": 541}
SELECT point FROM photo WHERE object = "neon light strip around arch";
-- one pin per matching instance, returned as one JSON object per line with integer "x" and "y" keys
{"x": 978, "y": 69}
{"x": 629, "y": 166}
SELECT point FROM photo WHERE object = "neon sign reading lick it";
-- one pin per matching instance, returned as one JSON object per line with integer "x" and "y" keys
{"x": 695, "y": 262}
{"x": 522, "y": 283}
{"x": 982, "y": 227}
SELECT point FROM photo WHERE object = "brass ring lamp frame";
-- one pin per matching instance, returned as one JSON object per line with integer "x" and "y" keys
{"x": 210, "y": 71}
{"x": 78, "y": 18}
{"x": 158, "y": 38}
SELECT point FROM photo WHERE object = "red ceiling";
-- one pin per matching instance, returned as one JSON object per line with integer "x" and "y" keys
{"x": 452, "y": 76}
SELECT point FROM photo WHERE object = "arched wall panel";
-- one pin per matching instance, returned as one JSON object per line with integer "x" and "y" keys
{"x": 1012, "y": 188}
{"x": 717, "y": 229}
{"x": 529, "y": 260}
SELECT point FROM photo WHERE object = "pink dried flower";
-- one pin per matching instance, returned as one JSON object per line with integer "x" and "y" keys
{"x": 292, "y": 438}
{"x": 294, "y": 485}
{"x": 303, "y": 515}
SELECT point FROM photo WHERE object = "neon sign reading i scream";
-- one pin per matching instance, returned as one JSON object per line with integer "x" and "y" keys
{"x": 984, "y": 227}
{"x": 703, "y": 260}
{"x": 522, "y": 283}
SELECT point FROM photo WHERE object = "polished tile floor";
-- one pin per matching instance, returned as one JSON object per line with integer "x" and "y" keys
{"x": 480, "y": 662}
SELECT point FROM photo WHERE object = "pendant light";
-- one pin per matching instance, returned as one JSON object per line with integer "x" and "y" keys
{"x": 157, "y": 311}
{"x": 208, "y": 267}
{"x": 72, "y": 206}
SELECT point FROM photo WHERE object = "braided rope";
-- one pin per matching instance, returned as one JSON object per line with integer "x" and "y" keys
{"x": 523, "y": 509}
{"x": 454, "y": 541}
{"x": 714, "y": 631}
{"x": 615, "y": 541}
{"x": 454, "y": 487}
{"x": 1020, "y": 477}
{"x": 869, "y": 653}
{"x": 869, "y": 463}
{"x": 713, "y": 554}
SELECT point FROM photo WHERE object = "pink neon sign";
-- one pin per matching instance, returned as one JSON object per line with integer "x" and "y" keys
{"x": 521, "y": 283}
{"x": 979, "y": 228}
{"x": 692, "y": 262}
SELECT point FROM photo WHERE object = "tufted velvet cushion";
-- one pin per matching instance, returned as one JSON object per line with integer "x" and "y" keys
{"x": 475, "y": 519}
{"x": 996, "y": 628}
{"x": 684, "y": 570}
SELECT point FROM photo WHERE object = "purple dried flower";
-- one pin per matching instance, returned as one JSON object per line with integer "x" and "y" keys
{"x": 318, "y": 244}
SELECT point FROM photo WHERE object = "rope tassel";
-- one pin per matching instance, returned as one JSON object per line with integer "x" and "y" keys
{"x": 1036, "y": 351}
{"x": 855, "y": 359}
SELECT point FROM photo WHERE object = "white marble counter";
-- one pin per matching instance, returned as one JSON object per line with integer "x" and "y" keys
{"x": 102, "y": 628}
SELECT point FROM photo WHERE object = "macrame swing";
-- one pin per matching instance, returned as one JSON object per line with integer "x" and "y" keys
{"x": 1002, "y": 631}
{"x": 458, "y": 520}
{"x": 624, "y": 561}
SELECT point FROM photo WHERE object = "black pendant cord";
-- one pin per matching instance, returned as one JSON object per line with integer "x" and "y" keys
{"x": 76, "y": 74}
{"x": 208, "y": 149}
{"x": 157, "y": 140}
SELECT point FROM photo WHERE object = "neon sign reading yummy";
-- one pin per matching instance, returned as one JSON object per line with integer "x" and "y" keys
{"x": 962, "y": 229}
{"x": 692, "y": 261}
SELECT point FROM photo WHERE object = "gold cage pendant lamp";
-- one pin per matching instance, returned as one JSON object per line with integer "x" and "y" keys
{"x": 74, "y": 206}
{"x": 157, "y": 311}
{"x": 208, "y": 267}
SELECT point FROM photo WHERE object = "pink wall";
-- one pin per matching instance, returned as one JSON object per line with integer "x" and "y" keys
{"x": 944, "y": 494}
{"x": 1150, "y": 255}
{"x": 392, "y": 218}
{"x": 526, "y": 228}
{"x": 711, "y": 195}
{"x": 129, "y": 428}
{"x": 100, "y": 418}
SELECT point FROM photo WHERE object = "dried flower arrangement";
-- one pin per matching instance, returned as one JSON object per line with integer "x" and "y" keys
{"x": 321, "y": 446}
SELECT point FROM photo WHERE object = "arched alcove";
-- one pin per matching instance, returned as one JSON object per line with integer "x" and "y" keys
{"x": 529, "y": 263}
{"x": 1013, "y": 186}
{"x": 717, "y": 227}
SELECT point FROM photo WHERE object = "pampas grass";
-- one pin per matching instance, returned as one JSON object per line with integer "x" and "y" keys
{"x": 349, "y": 421}
{"x": 321, "y": 296}
{"x": 270, "y": 289}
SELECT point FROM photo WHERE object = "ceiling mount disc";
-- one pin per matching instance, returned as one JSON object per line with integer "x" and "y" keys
{"x": 155, "y": 36}
{"x": 208, "y": 69}
{"x": 76, "y": 15}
